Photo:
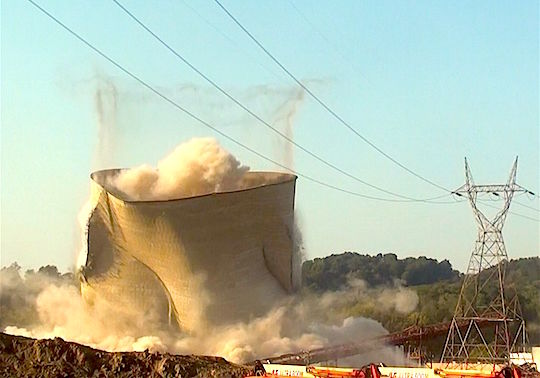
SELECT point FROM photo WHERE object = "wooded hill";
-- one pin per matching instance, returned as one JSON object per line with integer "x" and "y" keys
{"x": 436, "y": 283}
{"x": 424, "y": 291}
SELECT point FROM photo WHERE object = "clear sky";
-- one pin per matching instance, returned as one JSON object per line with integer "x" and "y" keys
{"x": 429, "y": 82}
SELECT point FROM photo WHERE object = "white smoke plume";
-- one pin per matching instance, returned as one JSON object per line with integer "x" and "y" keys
{"x": 199, "y": 166}
{"x": 402, "y": 299}
{"x": 398, "y": 298}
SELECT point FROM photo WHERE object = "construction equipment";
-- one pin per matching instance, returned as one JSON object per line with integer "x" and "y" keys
{"x": 277, "y": 370}
{"x": 410, "y": 334}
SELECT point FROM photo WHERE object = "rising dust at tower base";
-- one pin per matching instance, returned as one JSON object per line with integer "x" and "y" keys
{"x": 200, "y": 261}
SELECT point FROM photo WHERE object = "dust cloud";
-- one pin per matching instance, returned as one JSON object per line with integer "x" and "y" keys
{"x": 46, "y": 304}
{"x": 396, "y": 298}
{"x": 295, "y": 324}
{"x": 199, "y": 166}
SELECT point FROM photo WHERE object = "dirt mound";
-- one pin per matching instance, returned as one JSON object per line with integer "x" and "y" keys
{"x": 25, "y": 357}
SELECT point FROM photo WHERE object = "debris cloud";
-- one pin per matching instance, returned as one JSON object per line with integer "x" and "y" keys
{"x": 55, "y": 307}
{"x": 199, "y": 166}
{"x": 297, "y": 323}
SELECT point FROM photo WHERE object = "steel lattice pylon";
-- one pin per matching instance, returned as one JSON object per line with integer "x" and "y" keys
{"x": 483, "y": 297}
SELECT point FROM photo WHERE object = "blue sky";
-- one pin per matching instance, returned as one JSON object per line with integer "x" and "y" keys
{"x": 429, "y": 82}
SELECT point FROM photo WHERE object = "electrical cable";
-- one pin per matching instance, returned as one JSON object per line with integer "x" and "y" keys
{"x": 187, "y": 112}
{"x": 203, "y": 122}
{"x": 511, "y": 212}
{"x": 326, "y": 39}
{"x": 231, "y": 41}
{"x": 324, "y": 105}
{"x": 257, "y": 117}
{"x": 527, "y": 206}
{"x": 333, "y": 113}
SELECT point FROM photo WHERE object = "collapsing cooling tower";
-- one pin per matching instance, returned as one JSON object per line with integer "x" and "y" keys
{"x": 205, "y": 260}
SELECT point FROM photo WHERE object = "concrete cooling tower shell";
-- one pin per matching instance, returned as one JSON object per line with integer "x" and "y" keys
{"x": 206, "y": 260}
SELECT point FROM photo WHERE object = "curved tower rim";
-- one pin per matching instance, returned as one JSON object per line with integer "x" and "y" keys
{"x": 273, "y": 177}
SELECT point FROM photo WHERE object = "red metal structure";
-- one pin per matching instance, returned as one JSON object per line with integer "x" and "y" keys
{"x": 413, "y": 334}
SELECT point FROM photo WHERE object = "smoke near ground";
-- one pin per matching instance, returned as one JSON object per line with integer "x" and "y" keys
{"x": 44, "y": 305}
{"x": 53, "y": 306}
{"x": 47, "y": 304}
{"x": 396, "y": 298}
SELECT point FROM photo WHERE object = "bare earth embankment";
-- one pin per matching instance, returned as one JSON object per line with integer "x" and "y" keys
{"x": 25, "y": 357}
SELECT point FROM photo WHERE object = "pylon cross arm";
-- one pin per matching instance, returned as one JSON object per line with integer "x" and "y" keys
{"x": 491, "y": 189}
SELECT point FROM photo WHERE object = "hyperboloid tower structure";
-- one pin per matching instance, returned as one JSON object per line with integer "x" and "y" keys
{"x": 487, "y": 324}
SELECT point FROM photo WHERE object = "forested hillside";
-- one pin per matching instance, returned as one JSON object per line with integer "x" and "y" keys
{"x": 396, "y": 292}
{"x": 436, "y": 284}
{"x": 333, "y": 272}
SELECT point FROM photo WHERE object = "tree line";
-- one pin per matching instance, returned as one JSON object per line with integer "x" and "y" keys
{"x": 436, "y": 283}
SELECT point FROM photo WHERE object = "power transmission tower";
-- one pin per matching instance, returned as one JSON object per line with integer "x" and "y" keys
{"x": 495, "y": 327}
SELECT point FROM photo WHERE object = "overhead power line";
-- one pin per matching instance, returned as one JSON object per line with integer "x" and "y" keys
{"x": 527, "y": 206}
{"x": 193, "y": 116}
{"x": 326, "y": 39}
{"x": 498, "y": 198}
{"x": 203, "y": 122}
{"x": 511, "y": 212}
{"x": 256, "y": 116}
{"x": 324, "y": 105}
{"x": 231, "y": 41}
